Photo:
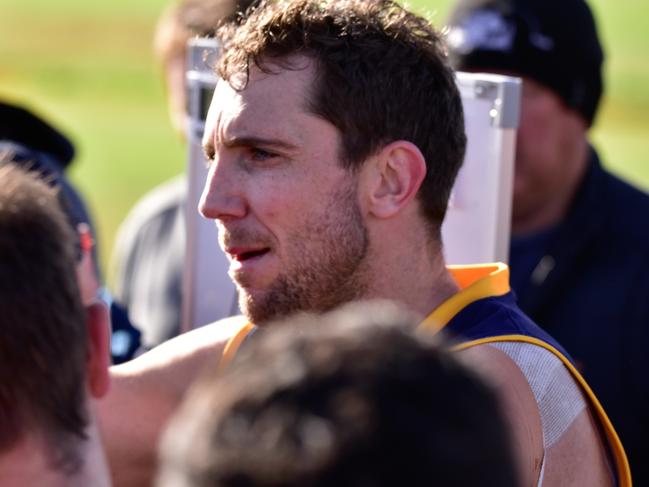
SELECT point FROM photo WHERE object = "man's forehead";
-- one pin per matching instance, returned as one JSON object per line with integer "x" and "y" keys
{"x": 267, "y": 101}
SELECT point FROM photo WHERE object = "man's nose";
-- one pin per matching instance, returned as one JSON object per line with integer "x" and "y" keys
{"x": 222, "y": 197}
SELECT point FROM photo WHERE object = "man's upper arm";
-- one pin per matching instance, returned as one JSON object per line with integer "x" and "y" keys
{"x": 578, "y": 457}
{"x": 518, "y": 405}
{"x": 147, "y": 390}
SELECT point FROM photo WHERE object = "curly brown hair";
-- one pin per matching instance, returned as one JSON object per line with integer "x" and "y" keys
{"x": 382, "y": 75}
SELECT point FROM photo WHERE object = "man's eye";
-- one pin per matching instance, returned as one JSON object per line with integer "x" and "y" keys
{"x": 257, "y": 154}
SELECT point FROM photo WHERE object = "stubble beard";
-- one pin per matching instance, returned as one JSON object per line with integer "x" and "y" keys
{"x": 329, "y": 264}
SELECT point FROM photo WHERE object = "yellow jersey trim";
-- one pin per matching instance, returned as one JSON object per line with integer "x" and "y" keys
{"x": 476, "y": 282}
{"x": 233, "y": 344}
{"x": 623, "y": 469}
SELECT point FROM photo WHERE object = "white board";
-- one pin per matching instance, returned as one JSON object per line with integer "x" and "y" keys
{"x": 477, "y": 226}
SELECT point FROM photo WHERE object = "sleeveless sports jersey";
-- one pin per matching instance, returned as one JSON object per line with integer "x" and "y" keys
{"x": 484, "y": 311}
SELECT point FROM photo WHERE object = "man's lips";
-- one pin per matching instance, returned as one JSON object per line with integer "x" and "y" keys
{"x": 242, "y": 254}
{"x": 251, "y": 266}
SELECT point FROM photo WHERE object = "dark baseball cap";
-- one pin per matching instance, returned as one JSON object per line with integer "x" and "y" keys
{"x": 553, "y": 42}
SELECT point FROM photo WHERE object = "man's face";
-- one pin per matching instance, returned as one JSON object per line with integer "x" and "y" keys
{"x": 548, "y": 160}
{"x": 288, "y": 213}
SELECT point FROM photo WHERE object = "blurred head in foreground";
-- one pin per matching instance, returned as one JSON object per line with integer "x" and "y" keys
{"x": 350, "y": 398}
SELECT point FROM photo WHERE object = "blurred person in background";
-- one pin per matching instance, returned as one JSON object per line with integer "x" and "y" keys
{"x": 580, "y": 235}
{"x": 345, "y": 399}
{"x": 149, "y": 252}
{"x": 38, "y": 147}
{"x": 54, "y": 342}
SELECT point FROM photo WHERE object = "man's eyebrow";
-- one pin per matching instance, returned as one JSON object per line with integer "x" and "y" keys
{"x": 252, "y": 141}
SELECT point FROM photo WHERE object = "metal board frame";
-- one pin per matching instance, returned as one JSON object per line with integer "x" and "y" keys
{"x": 477, "y": 226}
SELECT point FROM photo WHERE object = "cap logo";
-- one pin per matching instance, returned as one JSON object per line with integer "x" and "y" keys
{"x": 483, "y": 29}
{"x": 541, "y": 41}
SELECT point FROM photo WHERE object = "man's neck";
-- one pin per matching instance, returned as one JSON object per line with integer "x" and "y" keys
{"x": 417, "y": 279}
{"x": 29, "y": 462}
{"x": 444, "y": 287}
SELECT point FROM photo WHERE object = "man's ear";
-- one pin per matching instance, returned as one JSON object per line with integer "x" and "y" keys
{"x": 98, "y": 324}
{"x": 397, "y": 173}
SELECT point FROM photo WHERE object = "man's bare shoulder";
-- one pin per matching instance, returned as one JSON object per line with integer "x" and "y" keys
{"x": 201, "y": 344}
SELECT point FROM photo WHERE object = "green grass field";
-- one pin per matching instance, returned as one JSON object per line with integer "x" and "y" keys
{"x": 88, "y": 67}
